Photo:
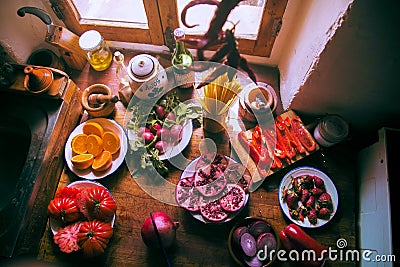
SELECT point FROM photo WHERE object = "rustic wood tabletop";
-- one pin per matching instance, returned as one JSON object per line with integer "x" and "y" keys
{"x": 199, "y": 244}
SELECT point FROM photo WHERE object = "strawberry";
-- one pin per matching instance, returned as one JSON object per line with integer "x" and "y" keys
{"x": 284, "y": 194}
{"x": 325, "y": 198}
{"x": 295, "y": 184}
{"x": 294, "y": 214}
{"x": 325, "y": 201}
{"x": 304, "y": 196}
{"x": 316, "y": 191}
{"x": 312, "y": 216}
{"x": 302, "y": 211}
{"x": 310, "y": 202}
{"x": 323, "y": 213}
{"x": 291, "y": 200}
{"x": 319, "y": 182}
{"x": 307, "y": 182}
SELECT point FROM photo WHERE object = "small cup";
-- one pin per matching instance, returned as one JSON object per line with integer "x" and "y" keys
{"x": 214, "y": 123}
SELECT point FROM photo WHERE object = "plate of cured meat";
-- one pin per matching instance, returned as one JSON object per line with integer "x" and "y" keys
{"x": 213, "y": 188}
{"x": 270, "y": 150}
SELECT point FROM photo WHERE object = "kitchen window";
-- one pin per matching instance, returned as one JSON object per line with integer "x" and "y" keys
{"x": 151, "y": 21}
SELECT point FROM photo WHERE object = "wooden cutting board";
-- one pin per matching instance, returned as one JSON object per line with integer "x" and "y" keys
{"x": 257, "y": 175}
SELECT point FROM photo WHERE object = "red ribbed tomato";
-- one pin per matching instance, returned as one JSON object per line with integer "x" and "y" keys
{"x": 64, "y": 210}
{"x": 93, "y": 237}
{"x": 100, "y": 203}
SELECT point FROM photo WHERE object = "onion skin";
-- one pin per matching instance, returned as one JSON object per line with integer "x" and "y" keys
{"x": 166, "y": 228}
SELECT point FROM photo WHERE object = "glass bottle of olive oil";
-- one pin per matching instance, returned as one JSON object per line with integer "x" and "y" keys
{"x": 97, "y": 51}
{"x": 182, "y": 60}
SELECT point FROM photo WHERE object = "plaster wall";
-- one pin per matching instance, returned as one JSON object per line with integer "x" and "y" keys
{"x": 356, "y": 73}
{"x": 316, "y": 23}
{"x": 20, "y": 36}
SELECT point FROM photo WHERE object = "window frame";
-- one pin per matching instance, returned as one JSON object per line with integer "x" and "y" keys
{"x": 162, "y": 16}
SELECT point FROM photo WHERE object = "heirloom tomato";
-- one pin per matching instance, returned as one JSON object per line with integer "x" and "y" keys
{"x": 64, "y": 210}
{"x": 100, "y": 203}
{"x": 93, "y": 237}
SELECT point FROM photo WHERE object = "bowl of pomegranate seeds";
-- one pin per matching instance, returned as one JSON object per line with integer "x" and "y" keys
{"x": 213, "y": 188}
{"x": 308, "y": 197}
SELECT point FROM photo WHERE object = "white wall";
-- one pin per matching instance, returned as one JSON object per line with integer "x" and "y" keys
{"x": 316, "y": 23}
{"x": 356, "y": 73}
{"x": 20, "y": 36}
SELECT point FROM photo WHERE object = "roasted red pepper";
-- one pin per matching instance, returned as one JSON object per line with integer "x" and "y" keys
{"x": 258, "y": 152}
{"x": 303, "y": 135}
{"x": 294, "y": 238}
{"x": 285, "y": 143}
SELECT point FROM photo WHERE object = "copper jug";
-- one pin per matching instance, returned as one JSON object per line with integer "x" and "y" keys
{"x": 37, "y": 79}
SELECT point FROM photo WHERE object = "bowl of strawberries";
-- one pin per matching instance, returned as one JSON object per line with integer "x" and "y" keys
{"x": 308, "y": 197}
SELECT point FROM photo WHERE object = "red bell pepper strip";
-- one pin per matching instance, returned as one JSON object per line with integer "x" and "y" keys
{"x": 293, "y": 137}
{"x": 303, "y": 134}
{"x": 284, "y": 141}
{"x": 256, "y": 150}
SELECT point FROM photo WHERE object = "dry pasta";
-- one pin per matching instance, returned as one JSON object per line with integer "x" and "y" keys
{"x": 220, "y": 94}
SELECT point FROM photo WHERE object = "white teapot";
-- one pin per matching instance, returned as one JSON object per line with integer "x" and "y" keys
{"x": 147, "y": 77}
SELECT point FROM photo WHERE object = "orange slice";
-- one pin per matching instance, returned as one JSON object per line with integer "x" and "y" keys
{"x": 94, "y": 144}
{"x": 102, "y": 162}
{"x": 82, "y": 161}
{"x": 78, "y": 144}
{"x": 92, "y": 127}
{"x": 111, "y": 142}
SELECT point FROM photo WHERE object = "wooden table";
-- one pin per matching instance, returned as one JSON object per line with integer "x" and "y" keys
{"x": 199, "y": 244}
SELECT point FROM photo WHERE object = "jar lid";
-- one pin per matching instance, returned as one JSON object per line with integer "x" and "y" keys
{"x": 90, "y": 40}
{"x": 334, "y": 128}
{"x": 142, "y": 66}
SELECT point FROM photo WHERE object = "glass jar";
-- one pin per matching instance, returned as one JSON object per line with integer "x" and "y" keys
{"x": 331, "y": 130}
{"x": 97, "y": 51}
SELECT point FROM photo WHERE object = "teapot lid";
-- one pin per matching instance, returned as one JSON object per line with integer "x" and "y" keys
{"x": 142, "y": 66}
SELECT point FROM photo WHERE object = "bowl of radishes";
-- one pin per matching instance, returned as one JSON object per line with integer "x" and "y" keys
{"x": 253, "y": 242}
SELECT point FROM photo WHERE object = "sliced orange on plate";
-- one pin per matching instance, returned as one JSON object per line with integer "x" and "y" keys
{"x": 82, "y": 161}
{"x": 78, "y": 144}
{"x": 94, "y": 144}
{"x": 102, "y": 162}
{"x": 92, "y": 127}
{"x": 111, "y": 142}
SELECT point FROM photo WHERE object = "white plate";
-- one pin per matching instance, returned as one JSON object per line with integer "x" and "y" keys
{"x": 55, "y": 225}
{"x": 190, "y": 171}
{"x": 329, "y": 186}
{"x": 118, "y": 158}
{"x": 173, "y": 150}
